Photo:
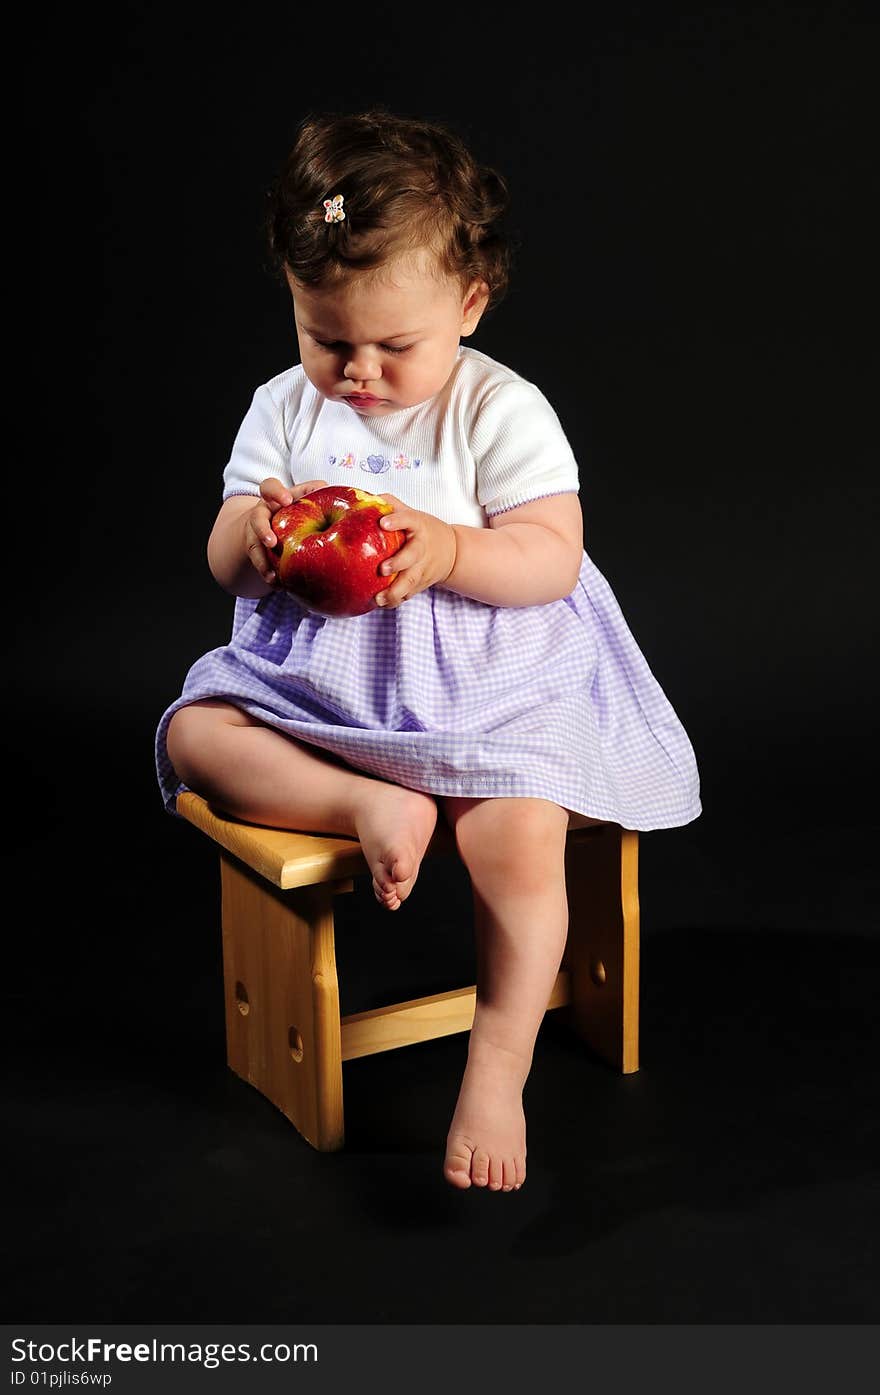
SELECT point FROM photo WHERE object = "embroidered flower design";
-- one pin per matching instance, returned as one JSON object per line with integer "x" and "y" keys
{"x": 375, "y": 464}
{"x": 334, "y": 213}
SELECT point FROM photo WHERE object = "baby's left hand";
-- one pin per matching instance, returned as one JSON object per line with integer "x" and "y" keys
{"x": 427, "y": 556}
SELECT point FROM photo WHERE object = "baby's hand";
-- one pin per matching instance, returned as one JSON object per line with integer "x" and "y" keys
{"x": 427, "y": 556}
{"x": 258, "y": 535}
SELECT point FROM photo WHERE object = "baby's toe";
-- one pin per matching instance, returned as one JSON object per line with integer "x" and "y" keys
{"x": 480, "y": 1168}
{"x": 496, "y": 1174}
{"x": 509, "y": 1174}
{"x": 457, "y": 1166}
{"x": 386, "y": 897}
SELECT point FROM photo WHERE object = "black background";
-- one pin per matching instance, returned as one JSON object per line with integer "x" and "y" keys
{"x": 694, "y": 195}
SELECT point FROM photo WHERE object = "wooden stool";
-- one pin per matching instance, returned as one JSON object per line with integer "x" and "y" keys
{"x": 284, "y": 1033}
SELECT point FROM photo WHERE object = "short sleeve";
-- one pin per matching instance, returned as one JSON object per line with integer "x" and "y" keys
{"x": 260, "y": 450}
{"x": 520, "y": 449}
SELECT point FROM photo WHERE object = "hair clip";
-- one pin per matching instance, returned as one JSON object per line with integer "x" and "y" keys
{"x": 334, "y": 212}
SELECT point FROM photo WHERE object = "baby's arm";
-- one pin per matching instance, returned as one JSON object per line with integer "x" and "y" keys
{"x": 237, "y": 547}
{"x": 527, "y": 556}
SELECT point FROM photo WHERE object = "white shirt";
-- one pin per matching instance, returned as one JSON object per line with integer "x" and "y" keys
{"x": 487, "y": 442}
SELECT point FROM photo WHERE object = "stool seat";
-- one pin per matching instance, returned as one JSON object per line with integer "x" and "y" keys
{"x": 284, "y": 1031}
{"x": 289, "y": 859}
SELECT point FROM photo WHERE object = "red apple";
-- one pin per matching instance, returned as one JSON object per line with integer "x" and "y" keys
{"x": 330, "y": 547}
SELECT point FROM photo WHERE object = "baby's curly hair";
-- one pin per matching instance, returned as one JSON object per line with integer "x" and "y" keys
{"x": 405, "y": 183}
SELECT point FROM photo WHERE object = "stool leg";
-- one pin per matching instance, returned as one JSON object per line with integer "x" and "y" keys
{"x": 282, "y": 998}
{"x": 602, "y": 950}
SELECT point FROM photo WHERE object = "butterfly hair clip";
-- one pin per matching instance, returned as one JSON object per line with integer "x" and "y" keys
{"x": 334, "y": 211}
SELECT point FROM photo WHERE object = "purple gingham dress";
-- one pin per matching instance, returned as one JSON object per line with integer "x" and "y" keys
{"x": 449, "y": 695}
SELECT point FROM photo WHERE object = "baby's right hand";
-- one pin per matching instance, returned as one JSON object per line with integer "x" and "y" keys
{"x": 258, "y": 535}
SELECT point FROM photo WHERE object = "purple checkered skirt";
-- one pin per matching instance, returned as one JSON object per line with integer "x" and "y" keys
{"x": 450, "y": 696}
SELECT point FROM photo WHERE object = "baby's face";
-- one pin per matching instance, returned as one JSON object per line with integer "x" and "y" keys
{"x": 381, "y": 344}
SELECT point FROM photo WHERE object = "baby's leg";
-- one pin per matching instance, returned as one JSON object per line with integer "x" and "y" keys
{"x": 514, "y": 850}
{"x": 259, "y": 774}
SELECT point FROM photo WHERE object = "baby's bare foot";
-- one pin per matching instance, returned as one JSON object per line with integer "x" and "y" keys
{"x": 395, "y": 827}
{"x": 486, "y": 1143}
